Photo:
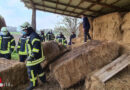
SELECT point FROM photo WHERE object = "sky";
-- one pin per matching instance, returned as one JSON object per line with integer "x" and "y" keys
{"x": 15, "y": 13}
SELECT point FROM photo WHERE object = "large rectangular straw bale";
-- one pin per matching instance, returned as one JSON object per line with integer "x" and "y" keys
{"x": 79, "y": 62}
{"x": 126, "y": 28}
{"x": 107, "y": 27}
{"x": 13, "y": 73}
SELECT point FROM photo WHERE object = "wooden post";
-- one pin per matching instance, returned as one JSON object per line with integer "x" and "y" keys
{"x": 34, "y": 18}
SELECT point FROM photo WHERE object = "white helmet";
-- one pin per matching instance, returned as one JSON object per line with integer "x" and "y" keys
{"x": 25, "y": 25}
{"x": 4, "y": 30}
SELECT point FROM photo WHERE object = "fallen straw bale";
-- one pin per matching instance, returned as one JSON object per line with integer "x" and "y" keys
{"x": 51, "y": 51}
{"x": 12, "y": 73}
{"x": 76, "y": 64}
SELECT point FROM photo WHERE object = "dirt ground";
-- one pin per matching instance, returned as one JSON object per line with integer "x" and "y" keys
{"x": 52, "y": 84}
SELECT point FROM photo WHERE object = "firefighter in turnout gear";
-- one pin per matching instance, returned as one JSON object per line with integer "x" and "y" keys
{"x": 35, "y": 56}
{"x": 61, "y": 39}
{"x": 72, "y": 36}
{"x": 50, "y": 36}
{"x": 7, "y": 43}
{"x": 42, "y": 35}
{"x": 22, "y": 47}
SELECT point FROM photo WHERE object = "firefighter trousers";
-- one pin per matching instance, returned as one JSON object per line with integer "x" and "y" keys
{"x": 22, "y": 58}
{"x": 34, "y": 72}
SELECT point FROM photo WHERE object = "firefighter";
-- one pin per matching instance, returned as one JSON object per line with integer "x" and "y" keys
{"x": 72, "y": 36}
{"x": 86, "y": 27}
{"x": 22, "y": 47}
{"x": 7, "y": 43}
{"x": 50, "y": 36}
{"x": 42, "y": 34}
{"x": 35, "y": 56}
{"x": 61, "y": 39}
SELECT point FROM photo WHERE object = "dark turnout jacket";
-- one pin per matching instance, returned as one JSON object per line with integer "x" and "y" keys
{"x": 7, "y": 44}
{"x": 22, "y": 46}
{"x": 34, "y": 47}
{"x": 86, "y": 24}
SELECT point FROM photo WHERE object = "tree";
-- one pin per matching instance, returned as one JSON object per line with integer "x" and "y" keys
{"x": 2, "y": 22}
{"x": 67, "y": 26}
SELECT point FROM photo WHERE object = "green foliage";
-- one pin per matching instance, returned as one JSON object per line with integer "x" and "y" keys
{"x": 18, "y": 33}
{"x": 14, "y": 56}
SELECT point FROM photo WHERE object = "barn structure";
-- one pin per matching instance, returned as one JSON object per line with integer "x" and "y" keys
{"x": 75, "y": 8}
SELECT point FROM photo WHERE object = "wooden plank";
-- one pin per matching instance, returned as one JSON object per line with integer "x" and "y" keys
{"x": 113, "y": 68}
{"x": 100, "y": 77}
{"x": 101, "y": 71}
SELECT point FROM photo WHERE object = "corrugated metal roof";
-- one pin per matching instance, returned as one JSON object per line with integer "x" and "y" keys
{"x": 76, "y": 8}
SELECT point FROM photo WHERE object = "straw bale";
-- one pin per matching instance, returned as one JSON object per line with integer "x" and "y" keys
{"x": 126, "y": 28}
{"x": 12, "y": 73}
{"x": 107, "y": 27}
{"x": 51, "y": 51}
{"x": 80, "y": 61}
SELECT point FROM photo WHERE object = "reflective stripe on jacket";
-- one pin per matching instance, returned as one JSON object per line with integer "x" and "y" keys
{"x": 7, "y": 44}
{"x": 35, "y": 49}
{"x": 22, "y": 45}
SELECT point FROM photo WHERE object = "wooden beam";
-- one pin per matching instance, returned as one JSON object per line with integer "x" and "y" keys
{"x": 79, "y": 4}
{"x": 51, "y": 11}
{"x": 101, "y": 13}
{"x": 34, "y": 18}
{"x": 33, "y": 15}
{"x": 115, "y": 2}
{"x": 56, "y": 5}
{"x": 58, "y": 12}
{"x": 68, "y": 5}
{"x": 43, "y": 3}
{"x": 82, "y": 13}
{"x": 108, "y": 71}
{"x": 72, "y": 6}
{"x": 105, "y": 5}
{"x": 50, "y": 7}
